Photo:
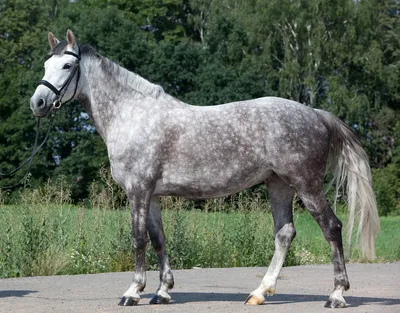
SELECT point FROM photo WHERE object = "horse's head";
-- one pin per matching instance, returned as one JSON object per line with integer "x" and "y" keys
{"x": 61, "y": 79}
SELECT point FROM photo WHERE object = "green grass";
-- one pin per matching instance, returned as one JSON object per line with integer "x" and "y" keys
{"x": 48, "y": 239}
{"x": 309, "y": 237}
{"x": 388, "y": 240}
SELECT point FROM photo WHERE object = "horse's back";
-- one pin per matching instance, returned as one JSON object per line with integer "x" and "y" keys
{"x": 275, "y": 125}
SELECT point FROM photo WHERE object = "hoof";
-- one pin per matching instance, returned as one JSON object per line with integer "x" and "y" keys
{"x": 334, "y": 304}
{"x": 160, "y": 297}
{"x": 128, "y": 301}
{"x": 254, "y": 300}
{"x": 157, "y": 299}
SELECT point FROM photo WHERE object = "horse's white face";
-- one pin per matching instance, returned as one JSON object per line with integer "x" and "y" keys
{"x": 58, "y": 70}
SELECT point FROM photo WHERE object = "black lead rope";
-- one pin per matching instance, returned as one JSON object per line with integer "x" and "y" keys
{"x": 28, "y": 161}
{"x": 56, "y": 105}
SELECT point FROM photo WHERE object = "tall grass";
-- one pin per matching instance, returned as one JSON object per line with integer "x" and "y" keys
{"x": 44, "y": 234}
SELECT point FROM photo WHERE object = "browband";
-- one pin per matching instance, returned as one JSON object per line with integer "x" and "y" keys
{"x": 78, "y": 56}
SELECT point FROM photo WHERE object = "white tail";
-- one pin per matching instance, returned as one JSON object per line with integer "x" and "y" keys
{"x": 349, "y": 163}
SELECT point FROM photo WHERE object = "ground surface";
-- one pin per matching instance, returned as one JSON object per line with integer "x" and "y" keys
{"x": 374, "y": 288}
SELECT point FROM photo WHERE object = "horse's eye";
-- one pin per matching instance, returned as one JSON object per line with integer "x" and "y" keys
{"x": 66, "y": 66}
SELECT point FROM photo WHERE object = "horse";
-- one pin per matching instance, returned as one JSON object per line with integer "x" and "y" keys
{"x": 158, "y": 146}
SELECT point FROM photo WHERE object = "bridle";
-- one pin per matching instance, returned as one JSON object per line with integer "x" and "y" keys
{"x": 61, "y": 92}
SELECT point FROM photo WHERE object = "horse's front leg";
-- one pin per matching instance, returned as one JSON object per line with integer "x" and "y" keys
{"x": 157, "y": 237}
{"x": 140, "y": 203}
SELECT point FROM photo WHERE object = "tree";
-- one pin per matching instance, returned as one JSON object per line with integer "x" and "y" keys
{"x": 342, "y": 56}
{"x": 21, "y": 24}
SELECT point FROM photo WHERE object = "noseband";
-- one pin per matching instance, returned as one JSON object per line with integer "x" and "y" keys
{"x": 61, "y": 92}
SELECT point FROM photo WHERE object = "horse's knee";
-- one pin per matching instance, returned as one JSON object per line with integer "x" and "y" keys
{"x": 285, "y": 235}
{"x": 139, "y": 244}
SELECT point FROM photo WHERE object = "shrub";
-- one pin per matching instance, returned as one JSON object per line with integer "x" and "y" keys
{"x": 387, "y": 188}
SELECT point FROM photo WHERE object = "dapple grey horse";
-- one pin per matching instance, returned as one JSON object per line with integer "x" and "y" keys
{"x": 159, "y": 145}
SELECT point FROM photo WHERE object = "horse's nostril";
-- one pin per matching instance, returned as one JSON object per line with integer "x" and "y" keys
{"x": 40, "y": 103}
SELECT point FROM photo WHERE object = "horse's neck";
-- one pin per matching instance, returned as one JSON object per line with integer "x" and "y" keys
{"x": 107, "y": 90}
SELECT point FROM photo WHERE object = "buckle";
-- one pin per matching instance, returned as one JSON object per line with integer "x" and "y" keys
{"x": 57, "y": 104}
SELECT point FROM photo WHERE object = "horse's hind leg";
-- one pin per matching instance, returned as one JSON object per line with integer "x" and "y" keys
{"x": 281, "y": 197}
{"x": 331, "y": 227}
{"x": 157, "y": 237}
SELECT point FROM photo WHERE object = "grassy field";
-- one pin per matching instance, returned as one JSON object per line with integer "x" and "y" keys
{"x": 49, "y": 239}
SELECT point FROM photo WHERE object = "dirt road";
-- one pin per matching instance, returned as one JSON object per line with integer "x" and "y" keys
{"x": 374, "y": 288}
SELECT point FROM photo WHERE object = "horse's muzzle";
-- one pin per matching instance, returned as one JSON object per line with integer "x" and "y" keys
{"x": 39, "y": 106}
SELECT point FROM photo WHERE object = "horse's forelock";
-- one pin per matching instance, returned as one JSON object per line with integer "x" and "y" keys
{"x": 86, "y": 50}
{"x": 60, "y": 48}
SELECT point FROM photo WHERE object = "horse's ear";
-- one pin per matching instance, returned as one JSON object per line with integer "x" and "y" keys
{"x": 71, "y": 38}
{"x": 53, "y": 41}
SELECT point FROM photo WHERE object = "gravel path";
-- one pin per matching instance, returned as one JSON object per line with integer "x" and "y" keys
{"x": 374, "y": 288}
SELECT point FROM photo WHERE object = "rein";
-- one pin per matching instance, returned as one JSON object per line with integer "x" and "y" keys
{"x": 36, "y": 148}
{"x": 56, "y": 105}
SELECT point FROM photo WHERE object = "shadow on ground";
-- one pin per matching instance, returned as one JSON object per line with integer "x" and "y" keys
{"x": 15, "y": 293}
{"x": 187, "y": 297}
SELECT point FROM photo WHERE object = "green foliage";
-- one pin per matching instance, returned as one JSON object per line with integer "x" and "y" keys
{"x": 343, "y": 56}
{"x": 387, "y": 189}
{"x": 20, "y": 25}
{"x": 52, "y": 192}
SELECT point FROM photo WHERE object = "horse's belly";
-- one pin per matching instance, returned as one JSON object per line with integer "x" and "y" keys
{"x": 208, "y": 185}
